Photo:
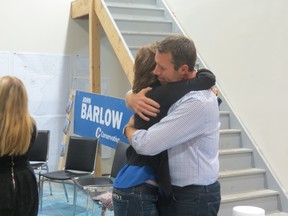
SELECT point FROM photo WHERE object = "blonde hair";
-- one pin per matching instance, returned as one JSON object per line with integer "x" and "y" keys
{"x": 16, "y": 124}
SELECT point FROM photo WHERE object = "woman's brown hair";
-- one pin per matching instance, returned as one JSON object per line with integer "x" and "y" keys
{"x": 143, "y": 68}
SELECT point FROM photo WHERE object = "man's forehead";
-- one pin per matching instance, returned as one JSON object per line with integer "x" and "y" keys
{"x": 163, "y": 57}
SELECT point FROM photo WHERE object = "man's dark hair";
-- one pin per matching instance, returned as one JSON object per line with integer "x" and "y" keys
{"x": 182, "y": 49}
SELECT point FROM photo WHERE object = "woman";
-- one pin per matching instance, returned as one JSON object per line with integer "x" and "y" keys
{"x": 18, "y": 186}
{"x": 136, "y": 186}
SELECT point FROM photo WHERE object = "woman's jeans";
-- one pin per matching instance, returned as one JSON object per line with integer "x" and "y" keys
{"x": 135, "y": 201}
{"x": 192, "y": 200}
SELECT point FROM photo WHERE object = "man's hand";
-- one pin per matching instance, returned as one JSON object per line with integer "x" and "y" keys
{"x": 215, "y": 90}
{"x": 141, "y": 104}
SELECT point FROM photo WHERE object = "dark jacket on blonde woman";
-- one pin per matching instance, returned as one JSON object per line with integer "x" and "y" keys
{"x": 18, "y": 185}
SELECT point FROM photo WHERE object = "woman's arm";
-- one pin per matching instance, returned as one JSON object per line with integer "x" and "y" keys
{"x": 141, "y": 104}
{"x": 168, "y": 94}
{"x": 147, "y": 102}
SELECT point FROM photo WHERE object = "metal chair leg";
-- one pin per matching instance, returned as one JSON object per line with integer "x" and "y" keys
{"x": 41, "y": 181}
{"x": 47, "y": 169}
{"x": 74, "y": 200}
{"x": 67, "y": 198}
{"x": 93, "y": 208}
{"x": 87, "y": 203}
{"x": 39, "y": 176}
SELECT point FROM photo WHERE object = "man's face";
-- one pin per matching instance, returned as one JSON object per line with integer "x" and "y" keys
{"x": 164, "y": 69}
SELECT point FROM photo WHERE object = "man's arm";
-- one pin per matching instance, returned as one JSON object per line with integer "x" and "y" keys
{"x": 141, "y": 104}
{"x": 184, "y": 123}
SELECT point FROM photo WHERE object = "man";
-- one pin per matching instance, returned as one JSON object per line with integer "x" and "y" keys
{"x": 190, "y": 132}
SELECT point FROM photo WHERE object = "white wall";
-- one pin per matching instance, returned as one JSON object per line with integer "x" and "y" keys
{"x": 44, "y": 30}
{"x": 41, "y": 26}
{"x": 245, "y": 44}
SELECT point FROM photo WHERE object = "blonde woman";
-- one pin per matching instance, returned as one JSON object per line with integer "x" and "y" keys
{"x": 18, "y": 186}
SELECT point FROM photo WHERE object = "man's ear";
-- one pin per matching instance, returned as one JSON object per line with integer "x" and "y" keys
{"x": 184, "y": 68}
{"x": 184, "y": 71}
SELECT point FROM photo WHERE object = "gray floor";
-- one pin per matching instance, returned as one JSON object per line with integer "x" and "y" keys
{"x": 56, "y": 205}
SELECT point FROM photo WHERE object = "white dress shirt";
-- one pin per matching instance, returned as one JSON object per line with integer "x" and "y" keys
{"x": 190, "y": 132}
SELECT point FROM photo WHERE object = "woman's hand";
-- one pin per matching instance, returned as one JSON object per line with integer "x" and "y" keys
{"x": 141, "y": 104}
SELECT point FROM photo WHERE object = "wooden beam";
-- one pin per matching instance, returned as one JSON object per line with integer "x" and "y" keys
{"x": 116, "y": 40}
{"x": 79, "y": 8}
{"x": 94, "y": 67}
{"x": 94, "y": 50}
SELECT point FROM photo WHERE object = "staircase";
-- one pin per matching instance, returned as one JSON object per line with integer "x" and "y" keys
{"x": 245, "y": 179}
{"x": 242, "y": 182}
{"x": 141, "y": 22}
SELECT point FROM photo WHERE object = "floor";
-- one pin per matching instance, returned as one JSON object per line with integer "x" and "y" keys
{"x": 56, "y": 205}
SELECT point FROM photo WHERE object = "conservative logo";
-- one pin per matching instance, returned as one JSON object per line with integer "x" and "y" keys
{"x": 99, "y": 133}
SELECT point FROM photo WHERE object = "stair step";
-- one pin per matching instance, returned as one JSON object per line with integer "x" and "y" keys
{"x": 134, "y": 10}
{"x": 141, "y": 2}
{"x": 143, "y": 38}
{"x": 132, "y": 4}
{"x": 224, "y": 119}
{"x": 235, "y": 151}
{"x": 144, "y": 25}
{"x": 134, "y": 50}
{"x": 235, "y": 159}
{"x": 277, "y": 214}
{"x": 266, "y": 199}
{"x": 239, "y": 181}
{"x": 230, "y": 138}
{"x": 235, "y": 173}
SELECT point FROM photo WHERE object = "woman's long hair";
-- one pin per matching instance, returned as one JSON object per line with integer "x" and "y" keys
{"x": 143, "y": 68}
{"x": 16, "y": 124}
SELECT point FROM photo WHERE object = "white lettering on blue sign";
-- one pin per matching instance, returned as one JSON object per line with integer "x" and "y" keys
{"x": 86, "y": 100}
{"x": 99, "y": 115}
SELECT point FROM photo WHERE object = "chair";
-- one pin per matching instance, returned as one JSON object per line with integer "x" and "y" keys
{"x": 80, "y": 161}
{"x": 119, "y": 158}
{"x": 96, "y": 185}
{"x": 38, "y": 154}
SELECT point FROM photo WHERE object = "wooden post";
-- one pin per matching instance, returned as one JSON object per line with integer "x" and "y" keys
{"x": 94, "y": 66}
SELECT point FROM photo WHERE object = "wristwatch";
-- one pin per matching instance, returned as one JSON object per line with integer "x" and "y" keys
{"x": 124, "y": 131}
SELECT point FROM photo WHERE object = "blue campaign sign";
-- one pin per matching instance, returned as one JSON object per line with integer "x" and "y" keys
{"x": 100, "y": 116}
